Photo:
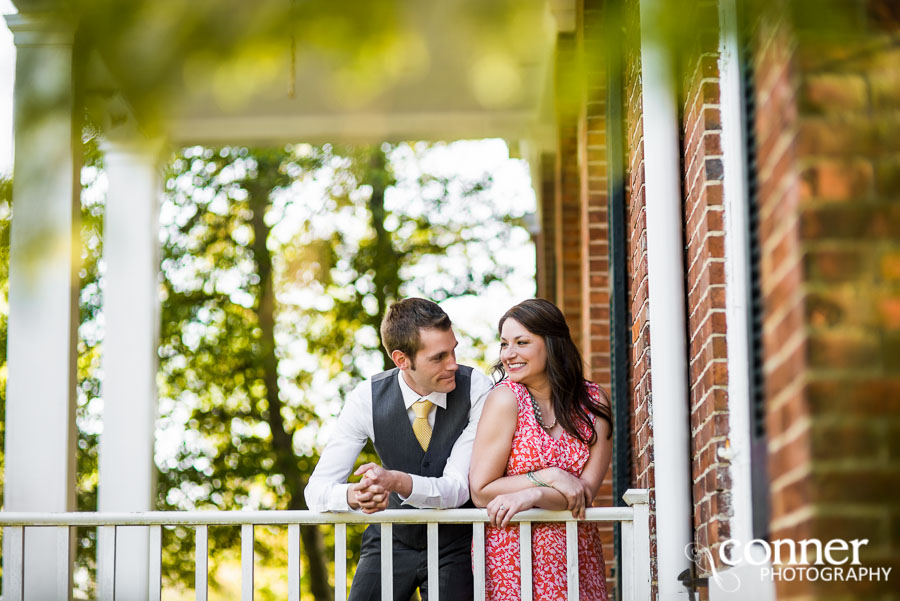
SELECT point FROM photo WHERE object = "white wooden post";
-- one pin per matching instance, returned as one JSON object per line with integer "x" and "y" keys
{"x": 43, "y": 289}
{"x": 131, "y": 312}
{"x": 626, "y": 580}
{"x": 13, "y": 563}
{"x": 638, "y": 572}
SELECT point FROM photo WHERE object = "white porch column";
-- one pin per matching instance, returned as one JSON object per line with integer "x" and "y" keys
{"x": 131, "y": 312}
{"x": 668, "y": 330}
{"x": 43, "y": 290}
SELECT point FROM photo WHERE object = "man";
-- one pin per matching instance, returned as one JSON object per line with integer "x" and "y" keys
{"x": 421, "y": 417}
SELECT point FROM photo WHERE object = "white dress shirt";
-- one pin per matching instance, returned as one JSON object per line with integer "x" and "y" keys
{"x": 327, "y": 487}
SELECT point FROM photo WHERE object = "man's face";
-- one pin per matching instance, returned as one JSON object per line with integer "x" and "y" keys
{"x": 435, "y": 362}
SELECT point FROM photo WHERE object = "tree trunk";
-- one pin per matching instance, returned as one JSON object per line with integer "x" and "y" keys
{"x": 387, "y": 277}
{"x": 282, "y": 447}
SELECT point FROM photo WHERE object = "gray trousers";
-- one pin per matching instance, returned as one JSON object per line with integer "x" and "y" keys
{"x": 411, "y": 570}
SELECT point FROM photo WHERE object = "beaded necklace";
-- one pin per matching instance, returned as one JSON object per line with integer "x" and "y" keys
{"x": 537, "y": 413}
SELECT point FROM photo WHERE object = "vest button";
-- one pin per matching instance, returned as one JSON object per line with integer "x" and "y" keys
{"x": 426, "y": 463}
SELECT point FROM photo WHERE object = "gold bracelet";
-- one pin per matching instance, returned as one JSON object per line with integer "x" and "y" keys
{"x": 535, "y": 480}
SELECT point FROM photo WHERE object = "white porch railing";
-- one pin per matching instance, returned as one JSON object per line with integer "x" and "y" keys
{"x": 635, "y": 577}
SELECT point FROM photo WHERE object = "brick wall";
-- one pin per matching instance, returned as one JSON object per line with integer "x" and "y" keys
{"x": 828, "y": 127}
{"x": 594, "y": 226}
{"x": 568, "y": 187}
{"x": 545, "y": 241}
{"x": 705, "y": 285}
{"x": 636, "y": 233}
{"x": 594, "y": 215}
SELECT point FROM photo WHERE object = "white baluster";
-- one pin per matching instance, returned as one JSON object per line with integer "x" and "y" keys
{"x": 155, "y": 571}
{"x": 387, "y": 561}
{"x": 247, "y": 562}
{"x": 106, "y": 563}
{"x": 572, "y": 560}
{"x": 340, "y": 562}
{"x": 201, "y": 563}
{"x": 294, "y": 562}
{"x": 433, "y": 563}
{"x": 478, "y": 560}
{"x": 64, "y": 569}
{"x": 525, "y": 561}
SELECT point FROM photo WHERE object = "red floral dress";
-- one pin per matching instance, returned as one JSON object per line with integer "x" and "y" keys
{"x": 533, "y": 449}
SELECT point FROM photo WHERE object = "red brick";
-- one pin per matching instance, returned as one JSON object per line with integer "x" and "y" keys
{"x": 851, "y": 221}
{"x": 846, "y": 440}
{"x": 843, "y": 350}
{"x": 838, "y": 180}
{"x": 834, "y": 265}
{"x": 859, "y": 396}
{"x": 831, "y": 137}
{"x": 827, "y": 93}
{"x": 885, "y": 88}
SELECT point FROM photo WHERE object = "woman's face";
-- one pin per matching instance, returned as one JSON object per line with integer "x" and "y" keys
{"x": 523, "y": 354}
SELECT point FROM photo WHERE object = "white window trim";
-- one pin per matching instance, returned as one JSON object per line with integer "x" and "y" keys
{"x": 737, "y": 281}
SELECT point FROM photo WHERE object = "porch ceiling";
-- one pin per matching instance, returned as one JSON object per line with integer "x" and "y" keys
{"x": 432, "y": 70}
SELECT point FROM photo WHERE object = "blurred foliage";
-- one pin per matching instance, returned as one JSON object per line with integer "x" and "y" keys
{"x": 160, "y": 53}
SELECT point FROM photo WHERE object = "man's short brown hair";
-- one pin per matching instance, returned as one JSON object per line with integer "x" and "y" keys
{"x": 403, "y": 320}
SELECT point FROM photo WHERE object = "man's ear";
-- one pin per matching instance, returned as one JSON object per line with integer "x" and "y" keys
{"x": 400, "y": 359}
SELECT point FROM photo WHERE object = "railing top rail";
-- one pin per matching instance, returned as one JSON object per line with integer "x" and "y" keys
{"x": 397, "y": 516}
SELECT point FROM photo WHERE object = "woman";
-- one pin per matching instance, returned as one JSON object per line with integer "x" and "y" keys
{"x": 540, "y": 444}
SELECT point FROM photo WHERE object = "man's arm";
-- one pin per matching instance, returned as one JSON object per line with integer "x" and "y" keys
{"x": 328, "y": 487}
{"x": 451, "y": 488}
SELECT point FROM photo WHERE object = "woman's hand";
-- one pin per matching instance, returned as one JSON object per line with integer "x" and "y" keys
{"x": 573, "y": 488}
{"x": 503, "y": 507}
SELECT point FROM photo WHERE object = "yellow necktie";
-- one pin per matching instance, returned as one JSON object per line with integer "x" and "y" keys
{"x": 421, "y": 427}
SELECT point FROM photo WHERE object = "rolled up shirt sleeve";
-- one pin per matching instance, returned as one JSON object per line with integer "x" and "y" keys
{"x": 327, "y": 486}
{"x": 451, "y": 488}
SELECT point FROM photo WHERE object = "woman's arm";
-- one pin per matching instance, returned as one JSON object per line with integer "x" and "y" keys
{"x": 598, "y": 463}
{"x": 493, "y": 441}
{"x": 490, "y": 455}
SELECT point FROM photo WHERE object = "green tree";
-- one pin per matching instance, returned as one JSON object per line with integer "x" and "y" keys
{"x": 272, "y": 299}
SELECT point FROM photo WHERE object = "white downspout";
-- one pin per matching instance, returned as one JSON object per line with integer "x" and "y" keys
{"x": 669, "y": 407}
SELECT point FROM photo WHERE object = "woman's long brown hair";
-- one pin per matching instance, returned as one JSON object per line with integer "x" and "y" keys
{"x": 569, "y": 395}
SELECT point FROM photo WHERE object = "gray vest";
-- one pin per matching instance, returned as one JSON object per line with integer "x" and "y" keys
{"x": 398, "y": 448}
